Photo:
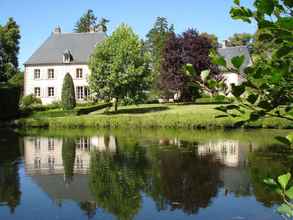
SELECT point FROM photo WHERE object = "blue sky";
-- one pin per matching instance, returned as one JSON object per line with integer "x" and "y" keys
{"x": 37, "y": 18}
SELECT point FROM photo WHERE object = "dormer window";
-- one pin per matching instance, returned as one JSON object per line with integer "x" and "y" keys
{"x": 67, "y": 57}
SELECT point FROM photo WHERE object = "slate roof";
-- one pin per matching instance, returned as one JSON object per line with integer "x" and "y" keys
{"x": 229, "y": 52}
{"x": 80, "y": 45}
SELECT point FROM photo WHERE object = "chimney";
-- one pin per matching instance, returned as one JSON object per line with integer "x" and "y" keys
{"x": 57, "y": 30}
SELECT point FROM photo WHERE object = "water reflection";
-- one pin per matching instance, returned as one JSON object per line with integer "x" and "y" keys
{"x": 116, "y": 174}
{"x": 10, "y": 193}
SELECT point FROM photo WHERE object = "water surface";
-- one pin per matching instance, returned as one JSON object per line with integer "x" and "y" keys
{"x": 140, "y": 174}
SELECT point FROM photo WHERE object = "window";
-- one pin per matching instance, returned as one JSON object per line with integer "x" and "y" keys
{"x": 83, "y": 144}
{"x": 37, "y": 91}
{"x": 37, "y": 74}
{"x": 51, "y": 162}
{"x": 37, "y": 143}
{"x": 79, "y": 73}
{"x": 79, "y": 162}
{"x": 67, "y": 57}
{"x": 51, "y": 91}
{"x": 50, "y": 144}
{"x": 37, "y": 163}
{"x": 50, "y": 73}
{"x": 82, "y": 92}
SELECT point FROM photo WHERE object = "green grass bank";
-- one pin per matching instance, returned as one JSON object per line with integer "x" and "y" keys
{"x": 150, "y": 116}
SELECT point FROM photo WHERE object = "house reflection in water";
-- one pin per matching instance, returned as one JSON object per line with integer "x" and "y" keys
{"x": 234, "y": 156}
{"x": 43, "y": 155}
{"x": 45, "y": 163}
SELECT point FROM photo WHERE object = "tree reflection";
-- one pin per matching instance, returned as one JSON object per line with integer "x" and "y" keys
{"x": 117, "y": 179}
{"x": 183, "y": 180}
{"x": 89, "y": 208}
{"x": 174, "y": 178}
{"x": 68, "y": 157}
{"x": 10, "y": 193}
{"x": 270, "y": 161}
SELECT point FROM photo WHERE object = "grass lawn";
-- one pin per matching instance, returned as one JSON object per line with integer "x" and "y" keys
{"x": 151, "y": 116}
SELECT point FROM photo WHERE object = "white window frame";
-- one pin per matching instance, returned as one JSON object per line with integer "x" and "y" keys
{"x": 37, "y": 92}
{"x": 50, "y": 92}
{"x": 37, "y": 74}
{"x": 51, "y": 73}
{"x": 82, "y": 92}
{"x": 79, "y": 73}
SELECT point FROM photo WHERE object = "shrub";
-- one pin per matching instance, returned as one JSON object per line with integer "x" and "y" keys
{"x": 9, "y": 101}
{"x": 30, "y": 100}
{"x": 68, "y": 94}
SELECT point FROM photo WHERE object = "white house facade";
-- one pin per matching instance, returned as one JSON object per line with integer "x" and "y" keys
{"x": 60, "y": 54}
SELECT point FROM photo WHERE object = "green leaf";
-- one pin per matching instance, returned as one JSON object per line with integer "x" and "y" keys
{"x": 285, "y": 210}
{"x": 204, "y": 75}
{"x": 212, "y": 83}
{"x": 238, "y": 61}
{"x": 270, "y": 181}
{"x": 189, "y": 70}
{"x": 265, "y": 6}
{"x": 218, "y": 60}
{"x": 290, "y": 137}
{"x": 284, "y": 179}
{"x": 283, "y": 140}
{"x": 283, "y": 51}
{"x": 237, "y": 91}
{"x": 286, "y": 22}
{"x": 252, "y": 98}
{"x": 241, "y": 13}
{"x": 276, "y": 77}
{"x": 289, "y": 193}
{"x": 237, "y": 2}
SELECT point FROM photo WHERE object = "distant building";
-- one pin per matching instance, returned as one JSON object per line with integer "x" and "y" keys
{"x": 61, "y": 53}
{"x": 228, "y": 53}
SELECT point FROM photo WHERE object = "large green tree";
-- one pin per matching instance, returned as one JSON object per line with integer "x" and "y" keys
{"x": 88, "y": 22}
{"x": 119, "y": 67}
{"x": 155, "y": 43}
{"x": 9, "y": 48}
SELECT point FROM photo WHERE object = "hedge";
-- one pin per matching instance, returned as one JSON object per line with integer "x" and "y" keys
{"x": 9, "y": 101}
{"x": 77, "y": 111}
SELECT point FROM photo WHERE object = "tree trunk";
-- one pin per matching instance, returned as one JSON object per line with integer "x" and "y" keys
{"x": 116, "y": 105}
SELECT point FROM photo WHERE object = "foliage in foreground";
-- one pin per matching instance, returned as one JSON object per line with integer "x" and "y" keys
{"x": 282, "y": 187}
{"x": 269, "y": 84}
{"x": 120, "y": 68}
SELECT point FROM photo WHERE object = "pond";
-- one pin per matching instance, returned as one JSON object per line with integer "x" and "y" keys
{"x": 140, "y": 174}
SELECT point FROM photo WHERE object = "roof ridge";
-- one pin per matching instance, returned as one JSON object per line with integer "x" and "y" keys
{"x": 78, "y": 33}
